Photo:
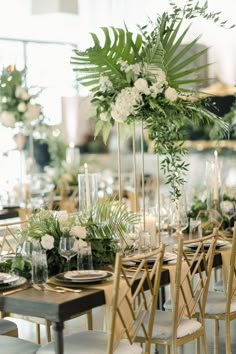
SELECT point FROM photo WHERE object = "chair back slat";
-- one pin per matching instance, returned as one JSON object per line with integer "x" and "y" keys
{"x": 192, "y": 279}
{"x": 134, "y": 297}
{"x": 9, "y": 239}
{"x": 231, "y": 281}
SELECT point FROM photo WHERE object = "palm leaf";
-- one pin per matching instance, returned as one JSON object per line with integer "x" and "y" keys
{"x": 176, "y": 59}
{"x": 102, "y": 60}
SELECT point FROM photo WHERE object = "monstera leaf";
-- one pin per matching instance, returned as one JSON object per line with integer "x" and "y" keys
{"x": 102, "y": 60}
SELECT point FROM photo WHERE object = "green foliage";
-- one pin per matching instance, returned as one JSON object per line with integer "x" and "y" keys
{"x": 106, "y": 227}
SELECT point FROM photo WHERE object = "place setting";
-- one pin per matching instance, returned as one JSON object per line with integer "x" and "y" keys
{"x": 11, "y": 283}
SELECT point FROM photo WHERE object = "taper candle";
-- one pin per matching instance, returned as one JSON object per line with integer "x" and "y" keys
{"x": 87, "y": 185}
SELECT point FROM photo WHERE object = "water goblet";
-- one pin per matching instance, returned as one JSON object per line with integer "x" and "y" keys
{"x": 67, "y": 249}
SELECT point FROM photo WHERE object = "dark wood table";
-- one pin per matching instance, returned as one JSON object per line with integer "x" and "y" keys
{"x": 56, "y": 307}
{"x": 59, "y": 307}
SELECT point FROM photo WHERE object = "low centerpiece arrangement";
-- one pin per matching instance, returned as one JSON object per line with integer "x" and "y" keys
{"x": 104, "y": 228}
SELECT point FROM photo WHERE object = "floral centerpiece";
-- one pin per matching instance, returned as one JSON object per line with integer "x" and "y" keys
{"x": 16, "y": 107}
{"x": 104, "y": 227}
{"x": 143, "y": 78}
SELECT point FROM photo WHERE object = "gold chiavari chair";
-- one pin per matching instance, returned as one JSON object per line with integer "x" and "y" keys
{"x": 221, "y": 306}
{"x": 133, "y": 296}
{"x": 189, "y": 290}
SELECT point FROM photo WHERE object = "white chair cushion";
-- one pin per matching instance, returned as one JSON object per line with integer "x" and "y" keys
{"x": 90, "y": 342}
{"x": 7, "y": 326}
{"x": 163, "y": 326}
{"x": 216, "y": 302}
{"x": 12, "y": 345}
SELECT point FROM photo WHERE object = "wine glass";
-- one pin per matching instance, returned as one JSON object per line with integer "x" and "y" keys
{"x": 178, "y": 218}
{"x": 67, "y": 249}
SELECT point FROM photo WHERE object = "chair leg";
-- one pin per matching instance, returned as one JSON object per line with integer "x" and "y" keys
{"x": 168, "y": 349}
{"x": 216, "y": 337}
{"x": 37, "y": 333}
{"x": 228, "y": 340}
{"x": 197, "y": 346}
{"x": 89, "y": 320}
{"x": 48, "y": 331}
{"x": 205, "y": 345}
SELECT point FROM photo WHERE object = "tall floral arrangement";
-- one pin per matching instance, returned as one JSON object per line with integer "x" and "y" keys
{"x": 16, "y": 107}
{"x": 143, "y": 77}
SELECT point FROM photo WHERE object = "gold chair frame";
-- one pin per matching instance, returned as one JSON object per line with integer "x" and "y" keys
{"x": 228, "y": 315}
{"x": 189, "y": 294}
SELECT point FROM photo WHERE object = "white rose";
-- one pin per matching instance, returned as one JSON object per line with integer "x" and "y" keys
{"x": 142, "y": 86}
{"x": 47, "y": 241}
{"x": 171, "y": 94}
{"x": 7, "y": 119}
{"x": 78, "y": 231}
{"x": 33, "y": 111}
{"x": 21, "y": 107}
{"x": 105, "y": 116}
{"x": 22, "y": 93}
{"x": 82, "y": 243}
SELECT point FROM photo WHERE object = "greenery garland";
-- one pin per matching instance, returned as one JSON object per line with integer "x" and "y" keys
{"x": 143, "y": 77}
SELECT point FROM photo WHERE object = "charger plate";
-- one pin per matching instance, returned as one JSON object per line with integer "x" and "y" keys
{"x": 19, "y": 282}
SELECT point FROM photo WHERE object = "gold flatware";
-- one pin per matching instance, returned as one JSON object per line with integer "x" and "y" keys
{"x": 51, "y": 288}
{"x": 47, "y": 287}
{"x": 68, "y": 289}
{"x": 13, "y": 291}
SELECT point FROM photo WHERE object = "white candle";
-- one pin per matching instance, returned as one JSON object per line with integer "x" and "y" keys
{"x": 150, "y": 226}
{"x": 87, "y": 185}
{"x": 215, "y": 184}
{"x": 72, "y": 155}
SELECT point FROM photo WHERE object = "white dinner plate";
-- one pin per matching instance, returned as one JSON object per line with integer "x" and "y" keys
{"x": 219, "y": 244}
{"x": 168, "y": 256}
{"x": 6, "y": 278}
{"x": 84, "y": 275}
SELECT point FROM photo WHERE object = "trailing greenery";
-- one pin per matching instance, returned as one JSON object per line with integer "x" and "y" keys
{"x": 143, "y": 77}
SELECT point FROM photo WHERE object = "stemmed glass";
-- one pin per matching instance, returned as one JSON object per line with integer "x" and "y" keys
{"x": 178, "y": 218}
{"x": 67, "y": 249}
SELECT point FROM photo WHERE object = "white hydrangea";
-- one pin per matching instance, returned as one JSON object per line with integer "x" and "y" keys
{"x": 47, "y": 241}
{"x": 135, "y": 68}
{"x": 105, "y": 83}
{"x": 171, "y": 94}
{"x": 105, "y": 116}
{"x": 141, "y": 86}
{"x": 156, "y": 88}
{"x": 22, "y": 107}
{"x": 127, "y": 103}
{"x": 78, "y": 231}
{"x": 7, "y": 119}
{"x": 22, "y": 93}
{"x": 33, "y": 111}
